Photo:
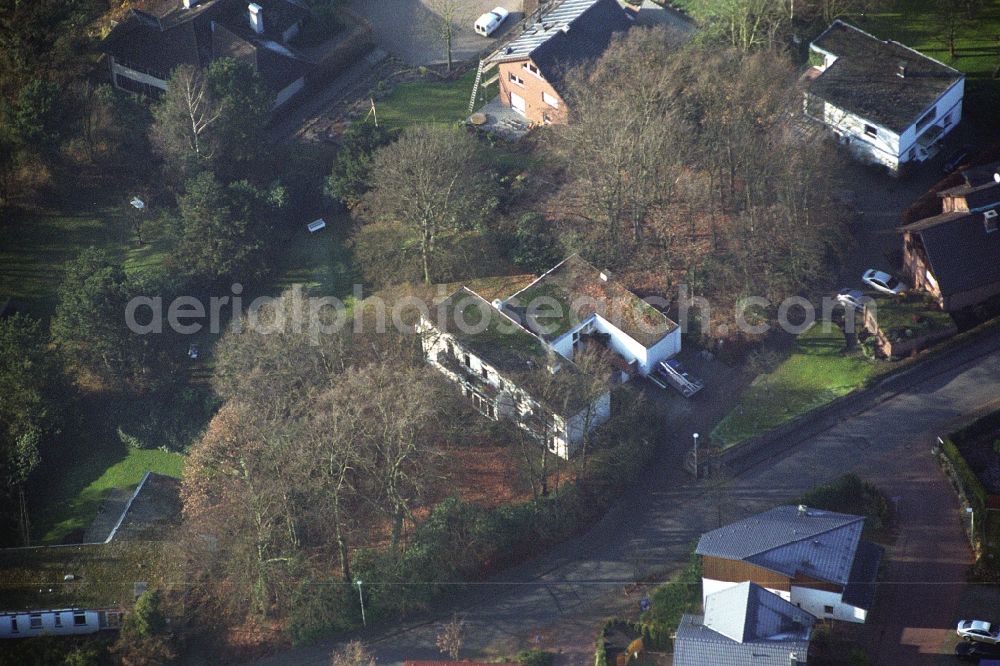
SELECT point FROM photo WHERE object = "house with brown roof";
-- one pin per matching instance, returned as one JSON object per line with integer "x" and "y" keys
{"x": 516, "y": 358}
{"x": 532, "y": 67}
{"x": 955, "y": 255}
{"x": 888, "y": 103}
{"x": 160, "y": 35}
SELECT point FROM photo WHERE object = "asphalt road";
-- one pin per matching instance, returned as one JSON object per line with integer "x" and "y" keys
{"x": 557, "y": 600}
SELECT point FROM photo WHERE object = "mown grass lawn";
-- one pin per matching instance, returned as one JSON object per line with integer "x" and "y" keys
{"x": 816, "y": 372}
{"x": 321, "y": 262}
{"x": 77, "y": 487}
{"x": 434, "y": 102}
{"x": 35, "y": 243}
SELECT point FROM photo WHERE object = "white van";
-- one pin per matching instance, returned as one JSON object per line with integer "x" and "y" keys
{"x": 487, "y": 23}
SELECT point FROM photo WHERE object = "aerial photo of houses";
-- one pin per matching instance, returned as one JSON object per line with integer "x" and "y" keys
{"x": 500, "y": 332}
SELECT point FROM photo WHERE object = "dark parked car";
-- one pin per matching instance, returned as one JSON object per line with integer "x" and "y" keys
{"x": 956, "y": 158}
{"x": 975, "y": 651}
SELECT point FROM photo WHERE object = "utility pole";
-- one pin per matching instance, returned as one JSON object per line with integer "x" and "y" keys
{"x": 697, "y": 469}
{"x": 362, "y": 598}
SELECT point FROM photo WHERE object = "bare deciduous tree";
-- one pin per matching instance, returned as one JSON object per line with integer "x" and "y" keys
{"x": 432, "y": 181}
{"x": 450, "y": 637}
{"x": 352, "y": 654}
{"x": 185, "y": 115}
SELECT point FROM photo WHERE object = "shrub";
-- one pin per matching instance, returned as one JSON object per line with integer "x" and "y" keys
{"x": 323, "y": 608}
{"x": 535, "y": 658}
{"x": 849, "y": 494}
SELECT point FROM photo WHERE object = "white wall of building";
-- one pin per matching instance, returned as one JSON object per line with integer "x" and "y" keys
{"x": 816, "y": 602}
{"x": 288, "y": 92}
{"x": 512, "y": 402}
{"x": 55, "y": 622}
{"x": 117, "y": 69}
{"x": 622, "y": 344}
{"x": 808, "y": 599}
{"x": 948, "y": 113}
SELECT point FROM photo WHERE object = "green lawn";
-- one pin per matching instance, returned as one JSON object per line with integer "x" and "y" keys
{"x": 321, "y": 261}
{"x": 35, "y": 243}
{"x": 817, "y": 371}
{"x": 444, "y": 102}
{"x": 74, "y": 491}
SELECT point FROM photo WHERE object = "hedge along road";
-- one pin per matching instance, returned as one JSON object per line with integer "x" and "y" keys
{"x": 558, "y": 600}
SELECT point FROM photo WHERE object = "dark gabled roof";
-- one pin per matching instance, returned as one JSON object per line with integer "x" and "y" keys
{"x": 574, "y": 290}
{"x": 570, "y": 34}
{"x": 142, "y": 40}
{"x": 818, "y": 544}
{"x": 744, "y": 625}
{"x": 864, "y": 78}
{"x": 277, "y": 66}
{"x": 977, "y": 197}
{"x": 278, "y": 16}
{"x": 860, "y": 591}
{"x": 961, "y": 253}
{"x": 167, "y": 35}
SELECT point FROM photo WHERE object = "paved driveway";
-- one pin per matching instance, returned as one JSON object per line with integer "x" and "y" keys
{"x": 411, "y": 29}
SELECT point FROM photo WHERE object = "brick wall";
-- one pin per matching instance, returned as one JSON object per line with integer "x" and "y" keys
{"x": 532, "y": 88}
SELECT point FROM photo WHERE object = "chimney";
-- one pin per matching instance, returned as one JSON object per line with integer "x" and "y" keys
{"x": 256, "y": 17}
{"x": 188, "y": 4}
{"x": 996, "y": 177}
{"x": 803, "y": 510}
{"x": 901, "y": 69}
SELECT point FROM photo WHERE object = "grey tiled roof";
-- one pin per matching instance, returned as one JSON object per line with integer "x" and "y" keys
{"x": 962, "y": 254}
{"x": 744, "y": 625}
{"x": 864, "y": 79}
{"x": 819, "y": 544}
{"x": 860, "y": 592}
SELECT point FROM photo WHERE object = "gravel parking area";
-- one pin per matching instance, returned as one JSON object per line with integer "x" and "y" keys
{"x": 411, "y": 29}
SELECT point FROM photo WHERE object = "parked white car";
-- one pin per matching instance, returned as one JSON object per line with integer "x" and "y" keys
{"x": 487, "y": 24}
{"x": 880, "y": 281}
{"x": 978, "y": 630}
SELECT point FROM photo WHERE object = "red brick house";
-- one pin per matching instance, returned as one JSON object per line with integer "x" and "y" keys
{"x": 532, "y": 66}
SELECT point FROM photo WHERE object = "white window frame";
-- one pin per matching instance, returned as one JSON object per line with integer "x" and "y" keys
{"x": 551, "y": 100}
{"x": 531, "y": 67}
{"x": 515, "y": 79}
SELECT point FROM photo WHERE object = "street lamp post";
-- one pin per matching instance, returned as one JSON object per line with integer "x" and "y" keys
{"x": 362, "y": 598}
{"x": 697, "y": 469}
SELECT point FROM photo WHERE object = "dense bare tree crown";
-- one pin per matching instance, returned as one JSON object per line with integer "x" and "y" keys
{"x": 693, "y": 170}
{"x": 433, "y": 183}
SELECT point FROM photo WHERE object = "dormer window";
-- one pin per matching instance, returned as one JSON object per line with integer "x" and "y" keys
{"x": 871, "y": 130}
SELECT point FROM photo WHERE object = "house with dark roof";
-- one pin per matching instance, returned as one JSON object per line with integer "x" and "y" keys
{"x": 744, "y": 625}
{"x": 532, "y": 67}
{"x": 955, "y": 255}
{"x": 814, "y": 559}
{"x": 516, "y": 358}
{"x": 161, "y": 35}
{"x": 886, "y": 102}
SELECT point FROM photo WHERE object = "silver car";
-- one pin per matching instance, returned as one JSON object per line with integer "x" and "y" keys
{"x": 881, "y": 281}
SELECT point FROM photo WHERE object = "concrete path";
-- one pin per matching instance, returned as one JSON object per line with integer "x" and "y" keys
{"x": 562, "y": 596}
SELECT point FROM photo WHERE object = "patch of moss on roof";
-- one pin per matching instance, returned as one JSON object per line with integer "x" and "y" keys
{"x": 573, "y": 291}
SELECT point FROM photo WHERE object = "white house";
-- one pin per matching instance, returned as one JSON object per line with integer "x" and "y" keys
{"x": 59, "y": 622}
{"x": 811, "y": 558}
{"x": 514, "y": 358}
{"x": 574, "y": 301}
{"x": 887, "y": 103}
{"x": 744, "y": 625}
